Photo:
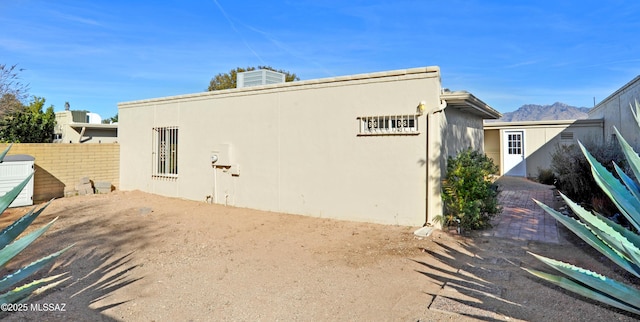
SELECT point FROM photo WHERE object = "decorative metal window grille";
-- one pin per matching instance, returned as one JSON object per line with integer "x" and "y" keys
{"x": 514, "y": 144}
{"x": 389, "y": 124}
{"x": 165, "y": 151}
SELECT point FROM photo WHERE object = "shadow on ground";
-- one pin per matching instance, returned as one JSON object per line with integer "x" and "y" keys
{"x": 100, "y": 263}
{"x": 470, "y": 285}
{"x": 484, "y": 281}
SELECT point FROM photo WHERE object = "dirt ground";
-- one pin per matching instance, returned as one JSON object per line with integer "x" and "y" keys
{"x": 141, "y": 257}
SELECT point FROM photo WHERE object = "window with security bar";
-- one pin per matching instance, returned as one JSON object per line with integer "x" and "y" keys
{"x": 165, "y": 151}
{"x": 388, "y": 124}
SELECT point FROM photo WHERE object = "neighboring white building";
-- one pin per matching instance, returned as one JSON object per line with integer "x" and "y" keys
{"x": 83, "y": 127}
{"x": 522, "y": 149}
{"x": 615, "y": 110}
{"x": 369, "y": 147}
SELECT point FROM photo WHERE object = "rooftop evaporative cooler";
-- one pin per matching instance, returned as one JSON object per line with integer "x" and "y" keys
{"x": 259, "y": 77}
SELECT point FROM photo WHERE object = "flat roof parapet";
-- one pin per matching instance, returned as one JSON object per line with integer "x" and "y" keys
{"x": 429, "y": 71}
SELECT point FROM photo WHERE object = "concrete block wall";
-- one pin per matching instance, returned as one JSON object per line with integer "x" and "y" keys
{"x": 59, "y": 167}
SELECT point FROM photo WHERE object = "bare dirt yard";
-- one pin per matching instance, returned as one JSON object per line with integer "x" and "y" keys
{"x": 141, "y": 257}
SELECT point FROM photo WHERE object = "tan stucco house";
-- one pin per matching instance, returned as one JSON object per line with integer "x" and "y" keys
{"x": 369, "y": 147}
{"x": 83, "y": 127}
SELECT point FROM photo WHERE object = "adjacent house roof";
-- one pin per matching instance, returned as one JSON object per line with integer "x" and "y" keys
{"x": 545, "y": 123}
{"x": 466, "y": 102}
{"x": 94, "y": 126}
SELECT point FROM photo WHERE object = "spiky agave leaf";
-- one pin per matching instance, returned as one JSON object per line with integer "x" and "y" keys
{"x": 625, "y": 232}
{"x": 24, "y": 292}
{"x": 4, "y": 153}
{"x": 12, "y": 231}
{"x": 590, "y": 284}
{"x": 47, "y": 283}
{"x": 585, "y": 233}
{"x": 11, "y": 195}
{"x": 13, "y": 249}
{"x": 611, "y": 236}
{"x": 636, "y": 111}
{"x": 615, "y": 289}
{"x": 615, "y": 190}
{"x": 26, "y": 271}
{"x": 631, "y": 185}
{"x": 631, "y": 156}
{"x": 619, "y": 244}
{"x": 633, "y": 253}
{"x": 8, "y": 251}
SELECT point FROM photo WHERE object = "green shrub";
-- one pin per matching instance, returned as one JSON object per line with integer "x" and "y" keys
{"x": 470, "y": 197}
{"x": 573, "y": 172}
{"x": 546, "y": 176}
{"x": 9, "y": 248}
{"x": 620, "y": 245}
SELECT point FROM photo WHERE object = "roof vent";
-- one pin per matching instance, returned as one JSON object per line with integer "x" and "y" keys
{"x": 566, "y": 136}
{"x": 259, "y": 77}
{"x": 79, "y": 116}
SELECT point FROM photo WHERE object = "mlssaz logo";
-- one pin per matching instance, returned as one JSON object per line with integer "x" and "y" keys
{"x": 48, "y": 307}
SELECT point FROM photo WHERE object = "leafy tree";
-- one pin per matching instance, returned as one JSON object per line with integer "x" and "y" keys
{"x": 12, "y": 91}
{"x": 29, "y": 124}
{"x": 9, "y": 103}
{"x": 113, "y": 119}
{"x": 229, "y": 80}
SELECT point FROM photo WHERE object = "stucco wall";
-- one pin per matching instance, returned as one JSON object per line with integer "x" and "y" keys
{"x": 450, "y": 132}
{"x": 541, "y": 139}
{"x": 461, "y": 131}
{"x": 616, "y": 112}
{"x": 492, "y": 146}
{"x": 542, "y": 143}
{"x": 296, "y": 145}
{"x": 59, "y": 167}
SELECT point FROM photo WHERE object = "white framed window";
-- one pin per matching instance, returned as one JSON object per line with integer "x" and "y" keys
{"x": 514, "y": 143}
{"x": 388, "y": 124}
{"x": 165, "y": 151}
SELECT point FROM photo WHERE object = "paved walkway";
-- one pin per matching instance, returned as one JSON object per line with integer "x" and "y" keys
{"x": 522, "y": 218}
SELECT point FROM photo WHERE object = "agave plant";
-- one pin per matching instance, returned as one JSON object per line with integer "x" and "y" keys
{"x": 619, "y": 244}
{"x": 10, "y": 247}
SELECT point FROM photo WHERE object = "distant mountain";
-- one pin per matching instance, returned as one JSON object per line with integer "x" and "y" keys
{"x": 555, "y": 111}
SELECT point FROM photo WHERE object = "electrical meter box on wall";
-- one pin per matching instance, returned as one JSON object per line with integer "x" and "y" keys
{"x": 13, "y": 170}
{"x": 221, "y": 155}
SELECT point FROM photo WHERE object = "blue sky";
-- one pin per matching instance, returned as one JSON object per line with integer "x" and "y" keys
{"x": 95, "y": 54}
